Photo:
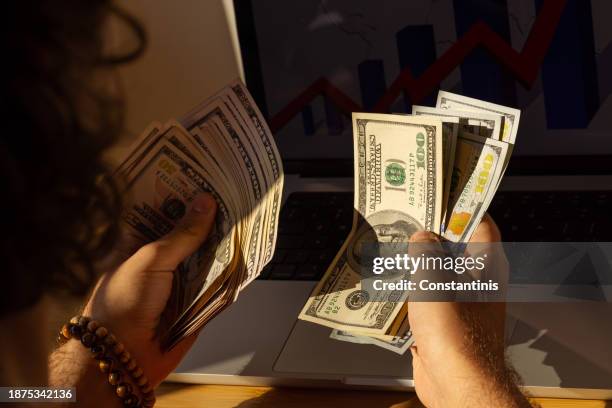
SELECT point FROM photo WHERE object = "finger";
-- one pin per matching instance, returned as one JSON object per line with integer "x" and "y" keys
{"x": 424, "y": 240}
{"x": 487, "y": 231}
{"x": 424, "y": 236}
{"x": 482, "y": 244}
{"x": 186, "y": 237}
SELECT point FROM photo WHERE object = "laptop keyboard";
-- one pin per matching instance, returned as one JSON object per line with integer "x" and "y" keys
{"x": 562, "y": 216}
{"x": 313, "y": 226}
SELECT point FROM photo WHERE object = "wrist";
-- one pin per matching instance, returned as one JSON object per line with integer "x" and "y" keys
{"x": 480, "y": 382}
{"x": 72, "y": 365}
{"x": 91, "y": 357}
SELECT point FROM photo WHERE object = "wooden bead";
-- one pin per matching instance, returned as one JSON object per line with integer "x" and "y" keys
{"x": 131, "y": 365}
{"x": 148, "y": 401}
{"x": 110, "y": 340}
{"x": 118, "y": 349}
{"x": 131, "y": 401}
{"x": 83, "y": 321}
{"x": 92, "y": 326}
{"x": 122, "y": 390}
{"x": 65, "y": 331}
{"x": 124, "y": 357}
{"x": 114, "y": 378}
{"x": 88, "y": 339}
{"x": 137, "y": 373}
{"x": 98, "y": 339}
{"x": 105, "y": 365}
{"x": 98, "y": 351}
{"x": 101, "y": 332}
{"x": 75, "y": 331}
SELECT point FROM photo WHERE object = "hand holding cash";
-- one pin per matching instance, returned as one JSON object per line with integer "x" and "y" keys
{"x": 223, "y": 147}
{"x": 436, "y": 170}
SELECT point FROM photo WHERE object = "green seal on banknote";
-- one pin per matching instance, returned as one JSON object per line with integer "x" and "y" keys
{"x": 357, "y": 299}
{"x": 395, "y": 174}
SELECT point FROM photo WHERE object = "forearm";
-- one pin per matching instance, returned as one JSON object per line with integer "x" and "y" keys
{"x": 72, "y": 365}
{"x": 496, "y": 389}
{"x": 480, "y": 383}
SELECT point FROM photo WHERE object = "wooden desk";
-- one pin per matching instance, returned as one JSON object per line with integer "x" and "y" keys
{"x": 225, "y": 396}
{"x": 221, "y": 396}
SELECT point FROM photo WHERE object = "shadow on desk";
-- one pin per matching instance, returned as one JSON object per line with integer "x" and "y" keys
{"x": 215, "y": 396}
{"x": 170, "y": 395}
{"x": 306, "y": 398}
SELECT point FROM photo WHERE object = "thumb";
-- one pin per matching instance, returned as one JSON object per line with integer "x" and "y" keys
{"x": 425, "y": 245}
{"x": 424, "y": 242}
{"x": 188, "y": 236}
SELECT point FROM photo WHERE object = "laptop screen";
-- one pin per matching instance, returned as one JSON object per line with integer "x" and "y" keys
{"x": 310, "y": 62}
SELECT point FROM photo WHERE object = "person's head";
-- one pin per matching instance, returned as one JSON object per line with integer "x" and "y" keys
{"x": 60, "y": 207}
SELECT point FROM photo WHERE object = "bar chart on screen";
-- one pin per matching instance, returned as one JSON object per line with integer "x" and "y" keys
{"x": 358, "y": 56}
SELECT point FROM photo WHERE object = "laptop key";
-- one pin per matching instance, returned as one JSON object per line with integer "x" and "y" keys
{"x": 290, "y": 241}
{"x": 343, "y": 229}
{"x": 279, "y": 256}
{"x": 322, "y": 214}
{"x": 292, "y": 214}
{"x": 309, "y": 271}
{"x": 316, "y": 242}
{"x": 265, "y": 272}
{"x": 321, "y": 257}
{"x": 282, "y": 272}
{"x": 321, "y": 227}
{"x": 292, "y": 227}
{"x": 577, "y": 229}
{"x": 602, "y": 231}
{"x": 297, "y": 256}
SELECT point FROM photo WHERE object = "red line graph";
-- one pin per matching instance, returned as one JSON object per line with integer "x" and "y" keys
{"x": 524, "y": 66}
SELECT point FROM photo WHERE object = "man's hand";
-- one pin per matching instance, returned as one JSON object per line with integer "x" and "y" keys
{"x": 130, "y": 301}
{"x": 458, "y": 357}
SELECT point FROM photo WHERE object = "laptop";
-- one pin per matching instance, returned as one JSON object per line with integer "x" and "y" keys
{"x": 307, "y": 63}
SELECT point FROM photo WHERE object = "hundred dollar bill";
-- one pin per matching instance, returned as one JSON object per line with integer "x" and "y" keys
{"x": 448, "y": 100}
{"x": 139, "y": 148}
{"x": 479, "y": 164}
{"x": 478, "y": 123}
{"x": 450, "y": 128}
{"x": 398, "y": 191}
{"x": 161, "y": 189}
{"x": 397, "y": 345}
{"x": 254, "y": 119}
{"x": 233, "y": 116}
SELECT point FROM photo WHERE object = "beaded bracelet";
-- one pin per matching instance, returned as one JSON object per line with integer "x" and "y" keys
{"x": 112, "y": 359}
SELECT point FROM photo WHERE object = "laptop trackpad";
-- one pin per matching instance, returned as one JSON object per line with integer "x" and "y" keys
{"x": 310, "y": 350}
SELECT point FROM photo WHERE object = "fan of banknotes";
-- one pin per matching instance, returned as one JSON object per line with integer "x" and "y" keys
{"x": 224, "y": 147}
{"x": 438, "y": 170}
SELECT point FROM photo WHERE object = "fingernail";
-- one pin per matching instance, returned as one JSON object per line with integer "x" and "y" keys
{"x": 203, "y": 203}
{"x": 424, "y": 236}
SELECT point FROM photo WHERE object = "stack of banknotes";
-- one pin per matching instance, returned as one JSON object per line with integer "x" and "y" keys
{"x": 224, "y": 147}
{"x": 438, "y": 170}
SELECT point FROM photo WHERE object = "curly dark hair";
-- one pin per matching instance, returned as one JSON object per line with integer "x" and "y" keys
{"x": 60, "y": 206}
